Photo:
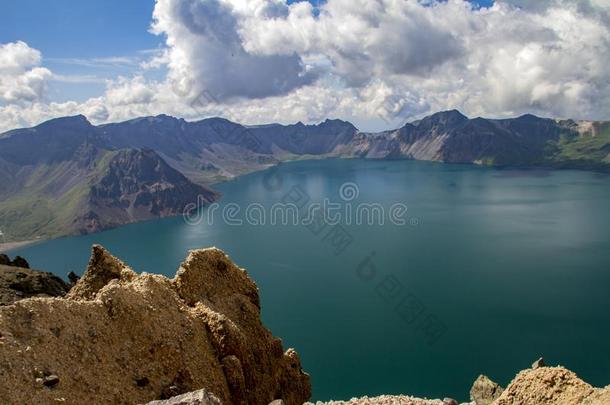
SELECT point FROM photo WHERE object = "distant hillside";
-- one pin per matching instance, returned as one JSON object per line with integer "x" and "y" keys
{"x": 66, "y": 176}
{"x": 60, "y": 179}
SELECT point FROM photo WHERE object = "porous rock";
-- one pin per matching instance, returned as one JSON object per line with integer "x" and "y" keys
{"x": 123, "y": 338}
{"x": 551, "y": 386}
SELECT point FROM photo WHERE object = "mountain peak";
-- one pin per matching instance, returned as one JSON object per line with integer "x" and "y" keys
{"x": 450, "y": 115}
{"x": 74, "y": 120}
{"x": 450, "y": 118}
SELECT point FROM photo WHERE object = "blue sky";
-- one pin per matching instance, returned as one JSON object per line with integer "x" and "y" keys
{"x": 77, "y": 37}
{"x": 79, "y": 28}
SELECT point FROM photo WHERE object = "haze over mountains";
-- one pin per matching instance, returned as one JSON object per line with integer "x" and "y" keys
{"x": 67, "y": 176}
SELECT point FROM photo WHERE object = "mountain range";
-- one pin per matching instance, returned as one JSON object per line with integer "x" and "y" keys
{"x": 67, "y": 176}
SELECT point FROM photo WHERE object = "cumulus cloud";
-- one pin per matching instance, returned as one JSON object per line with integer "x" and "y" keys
{"x": 206, "y": 53}
{"x": 21, "y": 77}
{"x": 258, "y": 61}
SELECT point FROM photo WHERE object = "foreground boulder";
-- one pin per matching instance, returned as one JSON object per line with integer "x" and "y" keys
{"x": 123, "y": 338}
{"x": 551, "y": 386}
{"x": 484, "y": 391}
{"x": 17, "y": 283}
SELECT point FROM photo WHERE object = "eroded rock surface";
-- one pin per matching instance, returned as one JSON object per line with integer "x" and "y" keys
{"x": 123, "y": 338}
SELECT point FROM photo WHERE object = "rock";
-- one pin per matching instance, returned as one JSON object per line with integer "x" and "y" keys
{"x": 551, "y": 386}
{"x": 450, "y": 401}
{"x": 538, "y": 363}
{"x": 484, "y": 391}
{"x": 199, "y": 397}
{"x": 50, "y": 381}
{"x": 18, "y": 283}
{"x": 102, "y": 269}
{"x": 277, "y": 402}
{"x": 4, "y": 260}
{"x": 20, "y": 262}
{"x": 73, "y": 278}
{"x": 200, "y": 330}
{"x": 384, "y": 400}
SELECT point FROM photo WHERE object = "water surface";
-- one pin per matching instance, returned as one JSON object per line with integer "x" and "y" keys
{"x": 494, "y": 269}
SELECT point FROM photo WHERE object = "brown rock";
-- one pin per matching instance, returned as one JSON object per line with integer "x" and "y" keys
{"x": 102, "y": 269}
{"x": 484, "y": 391}
{"x": 546, "y": 386}
{"x": 124, "y": 338}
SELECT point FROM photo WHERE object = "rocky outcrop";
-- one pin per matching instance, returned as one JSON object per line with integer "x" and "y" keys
{"x": 539, "y": 385}
{"x": 18, "y": 261}
{"x": 484, "y": 391}
{"x": 17, "y": 283}
{"x": 552, "y": 386}
{"x": 125, "y": 338}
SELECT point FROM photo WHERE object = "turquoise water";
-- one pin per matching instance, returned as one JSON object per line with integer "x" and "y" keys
{"x": 493, "y": 269}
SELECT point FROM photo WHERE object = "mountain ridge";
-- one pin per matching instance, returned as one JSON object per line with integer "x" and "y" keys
{"x": 47, "y": 172}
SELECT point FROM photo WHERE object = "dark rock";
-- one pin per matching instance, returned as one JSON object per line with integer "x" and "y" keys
{"x": 19, "y": 283}
{"x": 450, "y": 401}
{"x": 73, "y": 277}
{"x": 142, "y": 382}
{"x": 51, "y": 381}
{"x": 538, "y": 363}
{"x": 4, "y": 260}
{"x": 20, "y": 262}
{"x": 484, "y": 391}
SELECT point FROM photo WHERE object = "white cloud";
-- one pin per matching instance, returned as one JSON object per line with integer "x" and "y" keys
{"x": 258, "y": 61}
{"x": 206, "y": 53}
{"x": 21, "y": 77}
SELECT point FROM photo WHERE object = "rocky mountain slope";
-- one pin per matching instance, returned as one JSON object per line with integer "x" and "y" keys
{"x": 61, "y": 179}
{"x": 67, "y": 176}
{"x": 125, "y": 338}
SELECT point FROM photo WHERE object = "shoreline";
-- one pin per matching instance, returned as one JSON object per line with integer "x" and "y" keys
{"x": 8, "y": 246}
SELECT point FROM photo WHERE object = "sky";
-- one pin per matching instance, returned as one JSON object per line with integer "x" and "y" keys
{"x": 377, "y": 63}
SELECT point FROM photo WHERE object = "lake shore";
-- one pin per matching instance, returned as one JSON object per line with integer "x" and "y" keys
{"x": 8, "y": 246}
